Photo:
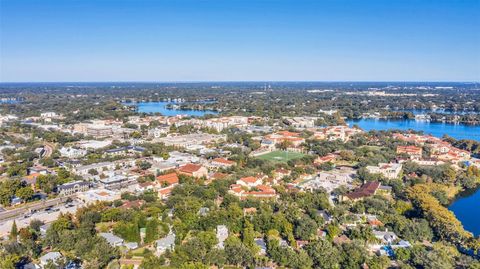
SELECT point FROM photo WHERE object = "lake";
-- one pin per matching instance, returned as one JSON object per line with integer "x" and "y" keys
{"x": 467, "y": 206}
{"x": 161, "y": 107}
{"x": 467, "y": 210}
{"x": 438, "y": 129}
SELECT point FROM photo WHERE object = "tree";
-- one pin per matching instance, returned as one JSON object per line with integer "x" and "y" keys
{"x": 151, "y": 233}
{"x": 237, "y": 253}
{"x": 306, "y": 228}
{"x": 248, "y": 235}
{"x": 323, "y": 254}
{"x": 25, "y": 193}
{"x": 13, "y": 231}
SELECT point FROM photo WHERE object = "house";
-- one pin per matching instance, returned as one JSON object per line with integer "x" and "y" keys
{"x": 366, "y": 190}
{"x": 385, "y": 237}
{"x": 325, "y": 216}
{"x": 262, "y": 245}
{"x": 73, "y": 187}
{"x": 412, "y": 151}
{"x": 222, "y": 234}
{"x": 249, "y": 211}
{"x": 249, "y": 181}
{"x": 329, "y": 158}
{"x": 259, "y": 191}
{"x": 53, "y": 256}
{"x": 281, "y": 173}
{"x": 221, "y": 163}
{"x": 167, "y": 182}
{"x": 112, "y": 239}
{"x": 193, "y": 170}
{"x": 131, "y": 245}
{"x": 166, "y": 243}
{"x": 70, "y": 152}
{"x": 388, "y": 170}
{"x": 31, "y": 180}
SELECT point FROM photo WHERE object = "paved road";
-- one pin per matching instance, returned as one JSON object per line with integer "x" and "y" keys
{"x": 14, "y": 213}
{"x": 48, "y": 149}
{"x": 6, "y": 226}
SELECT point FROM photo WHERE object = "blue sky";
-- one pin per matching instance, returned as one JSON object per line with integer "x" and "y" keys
{"x": 235, "y": 40}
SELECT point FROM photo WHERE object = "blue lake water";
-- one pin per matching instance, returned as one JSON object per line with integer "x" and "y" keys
{"x": 161, "y": 107}
{"x": 466, "y": 207}
{"x": 467, "y": 210}
{"x": 458, "y": 131}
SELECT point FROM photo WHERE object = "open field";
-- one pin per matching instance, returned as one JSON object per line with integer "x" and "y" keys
{"x": 281, "y": 156}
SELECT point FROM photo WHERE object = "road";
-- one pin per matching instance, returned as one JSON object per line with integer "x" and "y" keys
{"x": 46, "y": 217}
{"x": 14, "y": 213}
{"x": 48, "y": 147}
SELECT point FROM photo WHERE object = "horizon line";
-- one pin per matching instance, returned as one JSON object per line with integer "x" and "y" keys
{"x": 248, "y": 81}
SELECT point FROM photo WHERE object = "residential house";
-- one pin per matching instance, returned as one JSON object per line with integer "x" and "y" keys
{"x": 53, "y": 256}
{"x": 222, "y": 234}
{"x": 366, "y": 190}
{"x": 193, "y": 170}
{"x": 221, "y": 163}
{"x": 112, "y": 239}
{"x": 166, "y": 184}
{"x": 412, "y": 151}
{"x": 388, "y": 170}
{"x": 166, "y": 243}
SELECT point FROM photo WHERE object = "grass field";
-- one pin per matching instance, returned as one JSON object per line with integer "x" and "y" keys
{"x": 281, "y": 156}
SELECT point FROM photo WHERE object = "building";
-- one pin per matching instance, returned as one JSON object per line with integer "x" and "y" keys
{"x": 189, "y": 140}
{"x": 388, "y": 170}
{"x": 53, "y": 256}
{"x": 329, "y": 180}
{"x": 112, "y": 239}
{"x": 300, "y": 122}
{"x": 249, "y": 181}
{"x": 412, "y": 151}
{"x": 366, "y": 190}
{"x": 73, "y": 187}
{"x": 70, "y": 152}
{"x": 385, "y": 237}
{"x": 102, "y": 195}
{"x": 166, "y": 243}
{"x": 193, "y": 170}
{"x": 122, "y": 151}
{"x": 166, "y": 184}
{"x": 158, "y": 131}
{"x": 259, "y": 191}
{"x": 222, "y": 234}
{"x": 221, "y": 163}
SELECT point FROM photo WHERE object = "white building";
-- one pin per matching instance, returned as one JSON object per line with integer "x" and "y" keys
{"x": 388, "y": 170}
{"x": 222, "y": 234}
{"x": 70, "y": 152}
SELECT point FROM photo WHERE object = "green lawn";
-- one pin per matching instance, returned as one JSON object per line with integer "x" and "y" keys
{"x": 281, "y": 156}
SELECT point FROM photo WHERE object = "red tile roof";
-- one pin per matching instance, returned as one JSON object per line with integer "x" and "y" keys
{"x": 223, "y": 161}
{"x": 190, "y": 168}
{"x": 170, "y": 178}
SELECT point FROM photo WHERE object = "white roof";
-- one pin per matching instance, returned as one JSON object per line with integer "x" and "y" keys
{"x": 53, "y": 256}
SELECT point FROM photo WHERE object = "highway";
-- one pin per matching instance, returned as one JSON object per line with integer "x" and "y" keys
{"x": 16, "y": 212}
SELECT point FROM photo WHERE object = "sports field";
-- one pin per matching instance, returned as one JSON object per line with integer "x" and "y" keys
{"x": 281, "y": 156}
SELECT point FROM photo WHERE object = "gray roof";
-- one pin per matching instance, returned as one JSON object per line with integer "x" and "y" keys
{"x": 70, "y": 185}
{"x": 167, "y": 241}
{"x": 50, "y": 256}
{"x": 111, "y": 238}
